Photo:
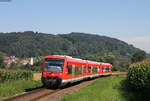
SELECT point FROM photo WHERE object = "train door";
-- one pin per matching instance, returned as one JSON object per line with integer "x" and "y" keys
{"x": 83, "y": 70}
{"x": 73, "y": 71}
{"x": 70, "y": 71}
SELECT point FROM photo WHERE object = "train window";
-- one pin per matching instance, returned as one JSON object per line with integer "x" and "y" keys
{"x": 78, "y": 70}
{"x": 98, "y": 69}
{"x": 90, "y": 69}
{"x": 83, "y": 69}
{"x": 69, "y": 69}
{"x": 107, "y": 69}
{"x": 53, "y": 65}
{"x": 103, "y": 69}
{"x": 94, "y": 70}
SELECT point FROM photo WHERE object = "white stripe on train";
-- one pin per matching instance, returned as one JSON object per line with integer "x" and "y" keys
{"x": 84, "y": 77}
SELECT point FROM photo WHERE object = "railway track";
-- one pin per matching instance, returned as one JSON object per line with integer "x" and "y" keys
{"x": 43, "y": 94}
{"x": 32, "y": 95}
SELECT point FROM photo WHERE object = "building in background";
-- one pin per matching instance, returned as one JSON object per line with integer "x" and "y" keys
{"x": 8, "y": 60}
{"x": 31, "y": 61}
{"x": 24, "y": 62}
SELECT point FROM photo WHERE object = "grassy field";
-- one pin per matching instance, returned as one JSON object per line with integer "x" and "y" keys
{"x": 119, "y": 72}
{"x": 11, "y": 88}
{"x": 104, "y": 89}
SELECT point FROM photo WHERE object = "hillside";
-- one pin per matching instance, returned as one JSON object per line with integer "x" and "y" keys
{"x": 27, "y": 44}
{"x": 98, "y": 45}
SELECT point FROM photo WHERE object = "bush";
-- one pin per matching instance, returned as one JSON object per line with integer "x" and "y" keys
{"x": 139, "y": 75}
{"x": 10, "y": 75}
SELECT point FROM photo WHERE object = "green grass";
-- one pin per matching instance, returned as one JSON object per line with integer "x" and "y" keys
{"x": 11, "y": 88}
{"x": 119, "y": 72}
{"x": 104, "y": 89}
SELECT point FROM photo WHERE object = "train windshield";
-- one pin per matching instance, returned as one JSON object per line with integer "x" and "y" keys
{"x": 53, "y": 65}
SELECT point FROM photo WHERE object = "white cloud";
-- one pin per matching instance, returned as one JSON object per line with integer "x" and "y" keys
{"x": 142, "y": 42}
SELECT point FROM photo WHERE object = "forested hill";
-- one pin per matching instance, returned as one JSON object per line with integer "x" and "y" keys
{"x": 27, "y": 44}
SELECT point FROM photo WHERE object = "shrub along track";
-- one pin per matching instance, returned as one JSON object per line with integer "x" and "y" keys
{"x": 44, "y": 94}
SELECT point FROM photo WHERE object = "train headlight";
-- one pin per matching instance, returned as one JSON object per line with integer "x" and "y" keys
{"x": 52, "y": 74}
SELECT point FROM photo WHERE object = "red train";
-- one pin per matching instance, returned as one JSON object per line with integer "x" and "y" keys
{"x": 58, "y": 70}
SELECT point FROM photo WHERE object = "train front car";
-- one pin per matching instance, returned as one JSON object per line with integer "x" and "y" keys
{"x": 52, "y": 71}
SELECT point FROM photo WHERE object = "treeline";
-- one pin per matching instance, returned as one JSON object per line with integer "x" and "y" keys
{"x": 82, "y": 45}
{"x": 27, "y": 44}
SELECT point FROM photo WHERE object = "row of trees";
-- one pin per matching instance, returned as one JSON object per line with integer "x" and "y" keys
{"x": 138, "y": 56}
{"x": 118, "y": 63}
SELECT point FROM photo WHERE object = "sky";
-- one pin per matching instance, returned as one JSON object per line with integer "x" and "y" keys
{"x": 127, "y": 20}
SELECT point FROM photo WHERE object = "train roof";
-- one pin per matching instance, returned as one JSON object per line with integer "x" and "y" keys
{"x": 57, "y": 56}
{"x": 71, "y": 59}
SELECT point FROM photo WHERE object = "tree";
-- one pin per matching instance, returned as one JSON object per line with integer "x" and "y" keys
{"x": 1, "y": 60}
{"x": 138, "y": 56}
{"x": 110, "y": 58}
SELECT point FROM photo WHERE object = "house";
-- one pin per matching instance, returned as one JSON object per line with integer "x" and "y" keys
{"x": 8, "y": 60}
{"x": 24, "y": 62}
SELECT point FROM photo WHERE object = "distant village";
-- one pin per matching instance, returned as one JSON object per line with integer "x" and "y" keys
{"x": 8, "y": 60}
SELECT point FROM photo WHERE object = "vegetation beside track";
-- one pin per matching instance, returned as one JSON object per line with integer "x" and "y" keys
{"x": 12, "y": 88}
{"x": 105, "y": 89}
{"x": 10, "y": 75}
{"x": 139, "y": 75}
{"x": 15, "y": 81}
